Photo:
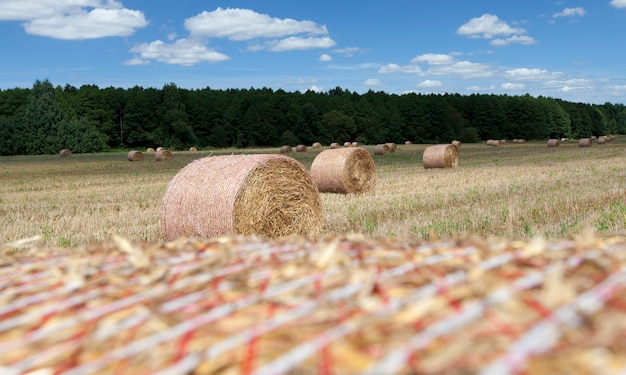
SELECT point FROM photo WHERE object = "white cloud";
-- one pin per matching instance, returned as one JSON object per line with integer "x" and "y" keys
{"x": 297, "y": 43}
{"x": 182, "y": 52}
{"x": 313, "y": 88}
{"x": 325, "y": 57}
{"x": 463, "y": 69}
{"x": 74, "y": 19}
{"x": 429, "y": 83}
{"x": 533, "y": 74}
{"x": 246, "y": 24}
{"x": 570, "y": 12}
{"x": 136, "y": 61}
{"x": 348, "y": 51}
{"x": 395, "y": 68}
{"x": 520, "y": 39}
{"x": 618, "y": 3}
{"x": 512, "y": 86}
{"x": 433, "y": 59}
{"x": 372, "y": 82}
{"x": 487, "y": 26}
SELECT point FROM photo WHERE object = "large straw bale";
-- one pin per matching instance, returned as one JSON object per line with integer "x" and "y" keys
{"x": 65, "y": 152}
{"x": 135, "y": 155}
{"x": 285, "y": 149}
{"x": 585, "y": 142}
{"x": 301, "y": 148}
{"x": 163, "y": 155}
{"x": 441, "y": 156}
{"x": 381, "y": 149}
{"x": 489, "y": 142}
{"x": 408, "y": 143}
{"x": 344, "y": 171}
{"x": 265, "y": 194}
{"x": 354, "y": 144}
{"x": 392, "y": 147}
{"x": 554, "y": 142}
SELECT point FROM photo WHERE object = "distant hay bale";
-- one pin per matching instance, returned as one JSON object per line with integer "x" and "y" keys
{"x": 521, "y": 140}
{"x": 150, "y": 150}
{"x": 602, "y": 140}
{"x": 392, "y": 147}
{"x": 441, "y": 156}
{"x": 408, "y": 142}
{"x": 456, "y": 144}
{"x": 347, "y": 144}
{"x": 344, "y": 171}
{"x": 515, "y": 140}
{"x": 160, "y": 149}
{"x": 489, "y": 142}
{"x": 301, "y": 148}
{"x": 564, "y": 139}
{"x": 554, "y": 142}
{"x": 503, "y": 141}
{"x": 316, "y": 145}
{"x": 495, "y": 142}
{"x": 285, "y": 149}
{"x": 334, "y": 145}
{"x": 263, "y": 194}
{"x": 354, "y": 144}
{"x": 193, "y": 149}
{"x": 381, "y": 149}
{"x": 163, "y": 155}
{"x": 135, "y": 155}
{"x": 65, "y": 153}
{"x": 585, "y": 142}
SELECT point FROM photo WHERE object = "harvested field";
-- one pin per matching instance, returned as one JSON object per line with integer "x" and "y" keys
{"x": 342, "y": 305}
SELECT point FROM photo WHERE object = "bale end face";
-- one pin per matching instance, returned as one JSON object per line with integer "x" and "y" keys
{"x": 135, "y": 155}
{"x": 163, "y": 155}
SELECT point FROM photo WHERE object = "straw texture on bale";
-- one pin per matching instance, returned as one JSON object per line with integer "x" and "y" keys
{"x": 193, "y": 149}
{"x": 456, "y": 144}
{"x": 381, "y": 149}
{"x": 392, "y": 147}
{"x": 347, "y": 144}
{"x": 316, "y": 145}
{"x": 65, "y": 152}
{"x": 263, "y": 194}
{"x": 301, "y": 148}
{"x": 135, "y": 155}
{"x": 163, "y": 155}
{"x": 285, "y": 149}
{"x": 585, "y": 142}
{"x": 495, "y": 142}
{"x": 344, "y": 171}
{"x": 441, "y": 156}
{"x": 160, "y": 148}
{"x": 489, "y": 142}
{"x": 554, "y": 142}
{"x": 150, "y": 150}
{"x": 334, "y": 145}
{"x": 602, "y": 140}
{"x": 354, "y": 144}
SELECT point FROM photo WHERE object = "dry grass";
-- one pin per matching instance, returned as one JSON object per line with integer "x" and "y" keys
{"x": 516, "y": 190}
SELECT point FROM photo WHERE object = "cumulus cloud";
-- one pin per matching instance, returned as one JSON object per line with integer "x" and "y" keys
{"x": 325, "y": 57}
{"x": 489, "y": 26}
{"x": 74, "y": 19}
{"x": 433, "y": 59}
{"x": 348, "y": 51}
{"x": 618, "y": 3}
{"x": 570, "y": 12}
{"x": 463, "y": 69}
{"x": 372, "y": 82}
{"x": 430, "y": 83}
{"x": 182, "y": 52}
{"x": 395, "y": 68}
{"x": 512, "y": 86}
{"x": 532, "y": 74}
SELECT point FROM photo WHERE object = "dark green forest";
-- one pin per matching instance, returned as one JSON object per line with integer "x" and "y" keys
{"x": 45, "y": 119}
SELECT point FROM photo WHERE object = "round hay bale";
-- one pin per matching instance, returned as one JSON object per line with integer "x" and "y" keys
{"x": 381, "y": 149}
{"x": 65, "y": 153}
{"x": 316, "y": 145}
{"x": 408, "y": 142}
{"x": 334, "y": 145}
{"x": 392, "y": 147}
{"x": 264, "y": 194}
{"x": 354, "y": 144}
{"x": 344, "y": 171}
{"x": 285, "y": 149}
{"x": 495, "y": 142}
{"x": 585, "y": 142}
{"x": 554, "y": 142}
{"x": 602, "y": 140}
{"x": 163, "y": 155}
{"x": 521, "y": 140}
{"x": 300, "y": 148}
{"x": 150, "y": 150}
{"x": 503, "y": 141}
{"x": 193, "y": 149}
{"x": 489, "y": 142}
{"x": 160, "y": 149}
{"x": 347, "y": 144}
{"x": 441, "y": 156}
{"x": 515, "y": 140}
{"x": 135, "y": 155}
{"x": 456, "y": 144}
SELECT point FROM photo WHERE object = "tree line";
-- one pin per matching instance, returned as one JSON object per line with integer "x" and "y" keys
{"x": 45, "y": 119}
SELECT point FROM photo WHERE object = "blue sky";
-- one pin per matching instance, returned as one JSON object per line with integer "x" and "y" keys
{"x": 574, "y": 50}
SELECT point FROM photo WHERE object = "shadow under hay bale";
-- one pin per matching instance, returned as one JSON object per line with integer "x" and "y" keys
{"x": 585, "y": 142}
{"x": 266, "y": 194}
{"x": 554, "y": 142}
{"x": 135, "y": 155}
{"x": 163, "y": 155}
{"x": 285, "y": 149}
{"x": 65, "y": 152}
{"x": 441, "y": 156}
{"x": 344, "y": 171}
{"x": 381, "y": 149}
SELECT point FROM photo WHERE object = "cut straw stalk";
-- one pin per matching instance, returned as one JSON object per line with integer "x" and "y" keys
{"x": 269, "y": 195}
{"x": 441, "y": 156}
{"x": 344, "y": 170}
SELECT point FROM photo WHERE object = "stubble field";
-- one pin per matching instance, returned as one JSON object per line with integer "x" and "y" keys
{"x": 517, "y": 191}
